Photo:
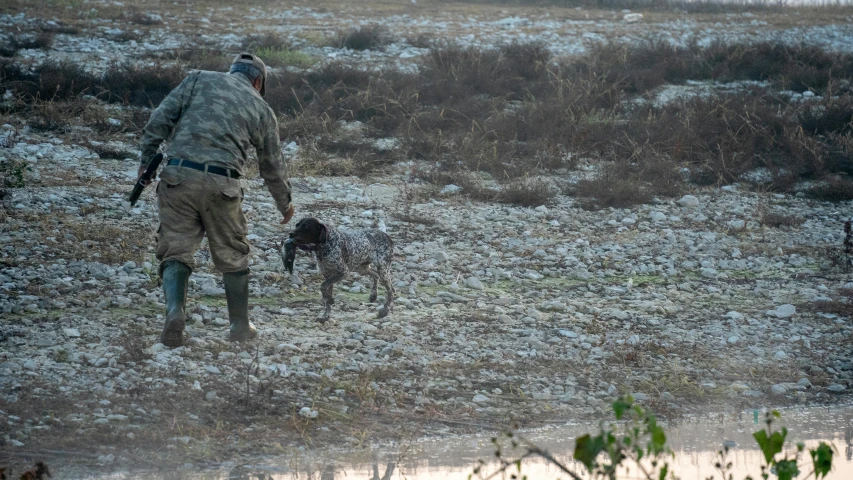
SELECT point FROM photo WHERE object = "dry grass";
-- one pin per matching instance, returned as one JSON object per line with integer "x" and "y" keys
{"x": 833, "y": 189}
{"x": 842, "y": 305}
{"x": 88, "y": 237}
{"x": 367, "y": 37}
{"x": 511, "y": 113}
{"x": 779, "y": 220}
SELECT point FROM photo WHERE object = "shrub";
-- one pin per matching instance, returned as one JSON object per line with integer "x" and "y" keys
{"x": 139, "y": 85}
{"x": 42, "y": 41}
{"x": 12, "y": 173}
{"x": 833, "y": 116}
{"x": 285, "y": 58}
{"x": 61, "y": 29}
{"x": 266, "y": 41}
{"x": 777, "y": 220}
{"x": 636, "y": 439}
{"x": 833, "y": 189}
{"x": 141, "y": 18}
{"x": 527, "y": 192}
{"x": 611, "y": 188}
{"x": 48, "y": 115}
{"x": 62, "y": 80}
{"x": 368, "y": 37}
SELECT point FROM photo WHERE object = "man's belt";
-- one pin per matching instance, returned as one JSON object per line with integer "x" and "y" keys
{"x": 226, "y": 172}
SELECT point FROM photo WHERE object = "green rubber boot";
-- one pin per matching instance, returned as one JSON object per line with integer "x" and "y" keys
{"x": 237, "y": 295}
{"x": 176, "y": 276}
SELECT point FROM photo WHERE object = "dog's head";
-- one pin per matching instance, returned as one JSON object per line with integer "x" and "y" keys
{"x": 309, "y": 231}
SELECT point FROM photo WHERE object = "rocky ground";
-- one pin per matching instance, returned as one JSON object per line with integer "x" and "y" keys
{"x": 723, "y": 299}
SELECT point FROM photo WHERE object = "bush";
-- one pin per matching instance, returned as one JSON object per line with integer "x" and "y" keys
{"x": 832, "y": 117}
{"x": 777, "y": 220}
{"x": 833, "y": 189}
{"x": 139, "y": 85}
{"x": 270, "y": 41}
{"x": 42, "y": 41}
{"x": 527, "y": 192}
{"x": 60, "y": 81}
{"x": 285, "y": 58}
{"x": 121, "y": 83}
{"x": 638, "y": 440}
{"x": 194, "y": 57}
{"x": 368, "y": 37}
{"x": 12, "y": 173}
{"x": 611, "y": 188}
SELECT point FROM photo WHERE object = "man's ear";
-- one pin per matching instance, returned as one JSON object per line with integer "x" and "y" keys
{"x": 324, "y": 233}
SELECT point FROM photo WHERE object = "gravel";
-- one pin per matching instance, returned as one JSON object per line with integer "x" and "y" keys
{"x": 546, "y": 313}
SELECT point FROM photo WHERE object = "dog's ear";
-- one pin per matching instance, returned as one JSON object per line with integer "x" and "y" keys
{"x": 324, "y": 234}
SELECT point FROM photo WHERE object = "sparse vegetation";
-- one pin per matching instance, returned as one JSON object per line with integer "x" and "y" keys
{"x": 512, "y": 114}
{"x": 13, "y": 173}
{"x": 367, "y": 37}
{"x": 639, "y": 444}
{"x": 778, "y": 220}
{"x": 276, "y": 52}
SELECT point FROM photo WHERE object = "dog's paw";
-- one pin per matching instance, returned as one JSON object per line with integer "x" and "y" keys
{"x": 321, "y": 320}
{"x": 372, "y": 298}
{"x": 383, "y": 312}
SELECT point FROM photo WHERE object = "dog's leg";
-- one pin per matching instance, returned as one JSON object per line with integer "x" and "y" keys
{"x": 366, "y": 270}
{"x": 328, "y": 298}
{"x": 385, "y": 277}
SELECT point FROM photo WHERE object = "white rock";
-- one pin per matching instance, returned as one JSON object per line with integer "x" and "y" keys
{"x": 71, "y": 332}
{"x": 307, "y": 412}
{"x": 480, "y": 399}
{"x": 451, "y": 189}
{"x": 689, "y": 201}
{"x": 657, "y": 217}
{"x": 632, "y": 17}
{"x": 783, "y": 311}
{"x": 778, "y": 389}
{"x": 440, "y": 256}
{"x": 475, "y": 283}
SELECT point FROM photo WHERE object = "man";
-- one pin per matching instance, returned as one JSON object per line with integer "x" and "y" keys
{"x": 211, "y": 119}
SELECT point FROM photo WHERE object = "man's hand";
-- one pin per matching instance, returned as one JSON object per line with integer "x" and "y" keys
{"x": 288, "y": 214}
{"x": 139, "y": 174}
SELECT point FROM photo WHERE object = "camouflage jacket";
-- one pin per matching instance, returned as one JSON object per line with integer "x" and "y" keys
{"x": 213, "y": 118}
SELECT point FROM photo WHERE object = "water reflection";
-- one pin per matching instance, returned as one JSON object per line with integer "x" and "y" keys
{"x": 326, "y": 472}
{"x": 696, "y": 442}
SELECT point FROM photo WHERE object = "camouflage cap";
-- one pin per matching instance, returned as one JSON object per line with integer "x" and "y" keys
{"x": 256, "y": 62}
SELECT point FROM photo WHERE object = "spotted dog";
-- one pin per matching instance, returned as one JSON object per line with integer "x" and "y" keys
{"x": 339, "y": 252}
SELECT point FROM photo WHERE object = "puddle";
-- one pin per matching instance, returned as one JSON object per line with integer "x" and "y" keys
{"x": 695, "y": 442}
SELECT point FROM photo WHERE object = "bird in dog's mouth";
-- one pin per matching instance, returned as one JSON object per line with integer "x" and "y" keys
{"x": 288, "y": 252}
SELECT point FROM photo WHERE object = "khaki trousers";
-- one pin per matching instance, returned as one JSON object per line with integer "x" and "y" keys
{"x": 193, "y": 203}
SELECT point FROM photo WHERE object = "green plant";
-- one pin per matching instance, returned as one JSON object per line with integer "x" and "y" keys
{"x": 640, "y": 443}
{"x": 284, "y": 57}
{"x": 61, "y": 356}
{"x": 12, "y": 173}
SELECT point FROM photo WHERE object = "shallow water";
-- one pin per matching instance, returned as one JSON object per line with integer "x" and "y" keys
{"x": 695, "y": 441}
